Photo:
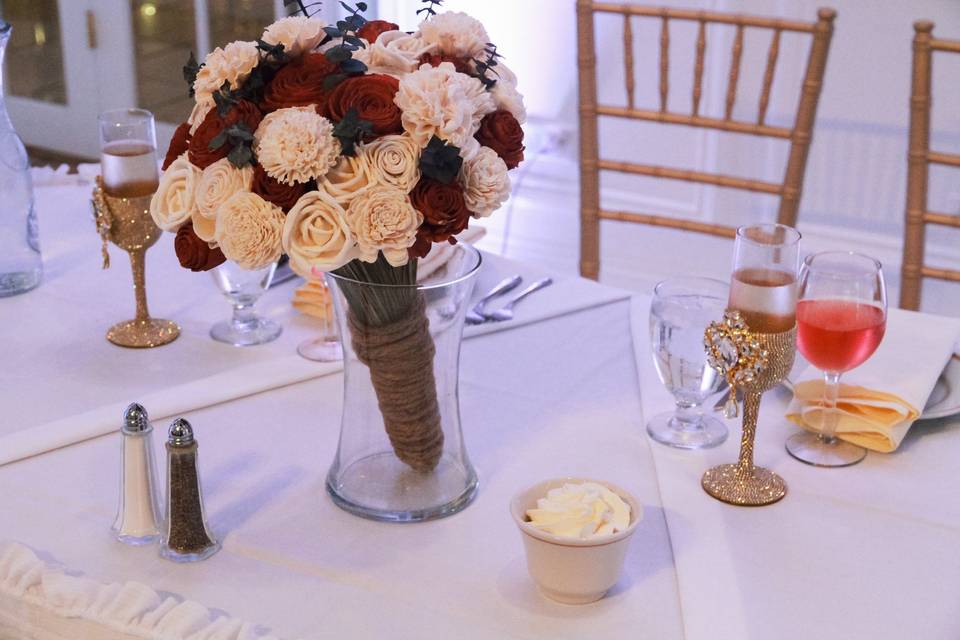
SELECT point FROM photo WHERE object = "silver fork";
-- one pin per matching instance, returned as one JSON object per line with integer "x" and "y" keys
{"x": 506, "y": 313}
{"x": 476, "y": 314}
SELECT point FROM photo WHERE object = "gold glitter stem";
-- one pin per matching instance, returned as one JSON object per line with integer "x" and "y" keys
{"x": 751, "y": 411}
{"x": 138, "y": 264}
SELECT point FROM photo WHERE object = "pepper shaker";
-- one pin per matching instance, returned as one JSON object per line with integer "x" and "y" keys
{"x": 186, "y": 537}
{"x": 138, "y": 514}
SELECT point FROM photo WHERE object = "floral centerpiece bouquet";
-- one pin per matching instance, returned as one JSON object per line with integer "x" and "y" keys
{"x": 352, "y": 148}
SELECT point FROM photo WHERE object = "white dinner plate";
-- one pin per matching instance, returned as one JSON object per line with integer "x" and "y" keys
{"x": 944, "y": 400}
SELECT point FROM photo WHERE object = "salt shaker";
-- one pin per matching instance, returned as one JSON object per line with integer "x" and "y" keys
{"x": 138, "y": 514}
{"x": 186, "y": 537}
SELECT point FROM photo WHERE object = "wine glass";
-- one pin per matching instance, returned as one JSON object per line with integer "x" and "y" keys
{"x": 326, "y": 346}
{"x": 763, "y": 287}
{"x": 841, "y": 318}
{"x": 681, "y": 311}
{"x": 243, "y": 288}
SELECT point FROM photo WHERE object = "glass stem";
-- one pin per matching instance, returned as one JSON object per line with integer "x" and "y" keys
{"x": 243, "y": 317}
{"x": 138, "y": 265}
{"x": 831, "y": 391}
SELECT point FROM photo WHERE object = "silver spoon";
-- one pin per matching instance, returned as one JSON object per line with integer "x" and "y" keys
{"x": 506, "y": 313}
{"x": 476, "y": 314}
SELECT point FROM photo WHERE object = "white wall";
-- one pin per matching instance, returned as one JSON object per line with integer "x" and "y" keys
{"x": 856, "y": 172}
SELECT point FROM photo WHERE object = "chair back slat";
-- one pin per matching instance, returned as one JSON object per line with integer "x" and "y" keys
{"x": 735, "y": 56}
{"x": 772, "y": 54}
{"x": 628, "y": 58}
{"x": 919, "y": 159}
{"x": 698, "y": 67}
{"x": 799, "y": 135}
{"x": 664, "y": 62}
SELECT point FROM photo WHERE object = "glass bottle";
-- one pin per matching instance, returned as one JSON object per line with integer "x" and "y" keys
{"x": 20, "y": 264}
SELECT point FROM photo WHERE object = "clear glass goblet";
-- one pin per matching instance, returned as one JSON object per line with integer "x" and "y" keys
{"x": 681, "y": 311}
{"x": 242, "y": 288}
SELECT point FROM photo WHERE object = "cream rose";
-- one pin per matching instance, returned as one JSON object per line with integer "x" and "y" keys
{"x": 455, "y": 34}
{"x": 486, "y": 185}
{"x": 233, "y": 63}
{"x": 174, "y": 203}
{"x": 351, "y": 177}
{"x": 296, "y": 145}
{"x": 395, "y": 53}
{"x": 248, "y": 230}
{"x": 395, "y": 160}
{"x": 384, "y": 220}
{"x": 218, "y": 183}
{"x": 440, "y": 101}
{"x": 316, "y": 235}
{"x": 297, "y": 34}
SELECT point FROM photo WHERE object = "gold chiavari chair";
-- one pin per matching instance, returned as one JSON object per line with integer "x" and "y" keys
{"x": 919, "y": 159}
{"x": 799, "y": 135}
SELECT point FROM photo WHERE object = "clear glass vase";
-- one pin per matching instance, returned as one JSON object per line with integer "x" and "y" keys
{"x": 401, "y": 455}
{"x": 20, "y": 264}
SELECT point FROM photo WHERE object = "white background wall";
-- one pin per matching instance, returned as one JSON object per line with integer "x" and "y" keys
{"x": 856, "y": 173}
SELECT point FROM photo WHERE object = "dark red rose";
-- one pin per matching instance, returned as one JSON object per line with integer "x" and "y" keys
{"x": 299, "y": 84}
{"x": 434, "y": 59}
{"x": 372, "y": 30}
{"x": 200, "y": 153}
{"x": 372, "y": 97}
{"x": 445, "y": 214}
{"x": 280, "y": 194}
{"x": 178, "y": 144}
{"x": 195, "y": 254}
{"x": 501, "y": 132}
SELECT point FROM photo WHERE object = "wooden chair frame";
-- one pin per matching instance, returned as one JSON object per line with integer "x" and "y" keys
{"x": 919, "y": 159}
{"x": 799, "y": 136}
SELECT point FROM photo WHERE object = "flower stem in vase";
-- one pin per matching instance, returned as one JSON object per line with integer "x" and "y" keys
{"x": 391, "y": 335}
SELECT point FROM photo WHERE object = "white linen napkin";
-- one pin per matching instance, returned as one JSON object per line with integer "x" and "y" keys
{"x": 881, "y": 398}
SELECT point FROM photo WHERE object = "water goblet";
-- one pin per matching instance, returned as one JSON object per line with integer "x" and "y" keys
{"x": 681, "y": 311}
{"x": 841, "y": 318}
{"x": 242, "y": 288}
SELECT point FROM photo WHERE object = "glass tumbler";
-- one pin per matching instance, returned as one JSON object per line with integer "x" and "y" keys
{"x": 242, "y": 288}
{"x": 681, "y": 311}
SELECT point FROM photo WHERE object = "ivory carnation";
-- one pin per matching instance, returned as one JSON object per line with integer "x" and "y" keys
{"x": 509, "y": 99}
{"x": 173, "y": 203}
{"x": 233, "y": 63}
{"x": 440, "y": 101}
{"x": 351, "y": 177}
{"x": 297, "y": 34}
{"x": 395, "y": 53}
{"x": 199, "y": 113}
{"x": 395, "y": 160}
{"x": 296, "y": 145}
{"x": 248, "y": 230}
{"x": 218, "y": 183}
{"x": 384, "y": 220}
{"x": 485, "y": 182}
{"x": 316, "y": 235}
{"x": 455, "y": 34}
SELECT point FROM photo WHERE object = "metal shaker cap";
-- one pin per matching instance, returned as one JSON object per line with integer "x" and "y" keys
{"x": 135, "y": 419}
{"x": 181, "y": 433}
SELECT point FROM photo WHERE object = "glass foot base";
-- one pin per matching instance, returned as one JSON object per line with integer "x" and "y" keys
{"x": 320, "y": 350}
{"x": 143, "y": 334}
{"x": 667, "y": 429}
{"x": 249, "y": 334}
{"x": 381, "y": 487}
{"x": 810, "y": 448}
{"x": 755, "y": 488}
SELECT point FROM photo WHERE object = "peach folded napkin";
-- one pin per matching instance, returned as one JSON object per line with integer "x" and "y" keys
{"x": 881, "y": 398}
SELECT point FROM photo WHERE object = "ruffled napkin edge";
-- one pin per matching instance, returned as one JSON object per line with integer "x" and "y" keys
{"x": 131, "y": 608}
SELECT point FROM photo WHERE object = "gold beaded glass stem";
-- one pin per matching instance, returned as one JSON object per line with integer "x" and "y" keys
{"x": 754, "y": 363}
{"x": 126, "y": 222}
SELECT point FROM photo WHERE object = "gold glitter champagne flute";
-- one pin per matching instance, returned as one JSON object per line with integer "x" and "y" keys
{"x": 129, "y": 178}
{"x": 755, "y": 347}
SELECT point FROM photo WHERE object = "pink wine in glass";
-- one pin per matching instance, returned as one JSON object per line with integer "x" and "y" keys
{"x": 837, "y": 335}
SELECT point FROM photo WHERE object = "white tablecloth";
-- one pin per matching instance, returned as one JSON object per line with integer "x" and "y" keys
{"x": 869, "y": 551}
